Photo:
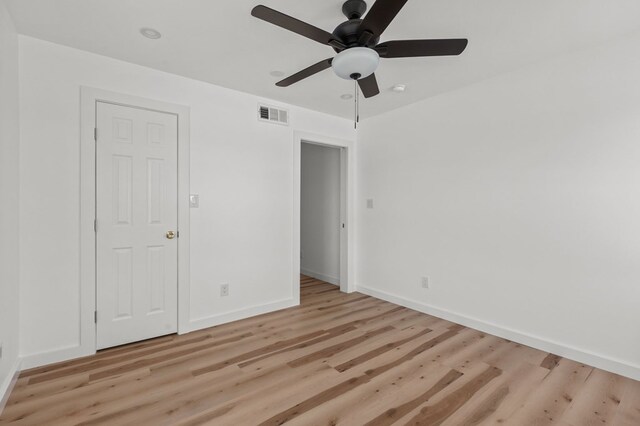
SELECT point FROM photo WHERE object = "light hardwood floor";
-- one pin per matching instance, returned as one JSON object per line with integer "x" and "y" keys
{"x": 345, "y": 359}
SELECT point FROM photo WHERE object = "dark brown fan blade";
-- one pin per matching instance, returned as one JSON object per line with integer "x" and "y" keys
{"x": 380, "y": 16}
{"x": 307, "y": 72}
{"x": 292, "y": 24}
{"x": 369, "y": 86}
{"x": 411, "y": 48}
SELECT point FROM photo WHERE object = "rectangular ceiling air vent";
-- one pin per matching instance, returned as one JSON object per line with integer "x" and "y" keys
{"x": 273, "y": 115}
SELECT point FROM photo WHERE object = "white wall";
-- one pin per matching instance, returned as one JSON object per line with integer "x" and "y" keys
{"x": 519, "y": 198}
{"x": 9, "y": 189}
{"x": 320, "y": 212}
{"x": 241, "y": 168}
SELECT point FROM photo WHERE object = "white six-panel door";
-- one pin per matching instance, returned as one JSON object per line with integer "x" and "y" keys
{"x": 136, "y": 209}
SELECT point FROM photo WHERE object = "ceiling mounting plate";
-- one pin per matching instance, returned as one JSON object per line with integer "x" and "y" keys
{"x": 354, "y": 9}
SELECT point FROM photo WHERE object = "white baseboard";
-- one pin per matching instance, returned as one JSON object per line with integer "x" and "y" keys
{"x": 9, "y": 382}
{"x": 317, "y": 275}
{"x": 226, "y": 317}
{"x": 72, "y": 352}
{"x": 580, "y": 355}
{"x": 56, "y": 355}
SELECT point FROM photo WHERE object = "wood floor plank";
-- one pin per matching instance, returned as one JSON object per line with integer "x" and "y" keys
{"x": 549, "y": 401}
{"x": 354, "y": 382}
{"x": 473, "y": 349}
{"x": 436, "y": 413}
{"x": 390, "y": 389}
{"x": 23, "y": 393}
{"x": 550, "y": 361}
{"x": 513, "y": 356}
{"x": 628, "y": 412}
{"x": 225, "y": 392}
{"x": 360, "y": 359}
{"x": 395, "y": 413}
{"x": 336, "y": 359}
{"x": 336, "y": 341}
{"x": 597, "y": 401}
{"x": 500, "y": 398}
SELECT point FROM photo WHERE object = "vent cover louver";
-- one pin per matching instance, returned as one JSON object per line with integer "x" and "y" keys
{"x": 273, "y": 115}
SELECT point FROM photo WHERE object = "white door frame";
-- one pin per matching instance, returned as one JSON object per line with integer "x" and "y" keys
{"x": 88, "y": 115}
{"x": 347, "y": 196}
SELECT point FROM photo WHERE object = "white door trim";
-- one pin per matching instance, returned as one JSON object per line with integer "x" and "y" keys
{"x": 89, "y": 98}
{"x": 347, "y": 236}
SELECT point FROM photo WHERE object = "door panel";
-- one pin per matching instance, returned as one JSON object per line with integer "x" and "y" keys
{"x": 123, "y": 282}
{"x": 136, "y": 204}
{"x": 122, "y": 189}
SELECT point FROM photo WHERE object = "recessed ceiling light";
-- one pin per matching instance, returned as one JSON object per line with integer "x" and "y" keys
{"x": 346, "y": 96}
{"x": 150, "y": 33}
{"x": 276, "y": 73}
{"x": 399, "y": 88}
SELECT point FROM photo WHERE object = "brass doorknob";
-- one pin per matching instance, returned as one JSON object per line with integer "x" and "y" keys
{"x": 171, "y": 235}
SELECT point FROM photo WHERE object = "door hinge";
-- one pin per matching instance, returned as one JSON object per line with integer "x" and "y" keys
{"x": 95, "y": 317}
{"x": 95, "y": 134}
{"x": 95, "y": 225}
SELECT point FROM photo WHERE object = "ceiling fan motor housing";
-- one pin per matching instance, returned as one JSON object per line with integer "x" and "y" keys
{"x": 348, "y": 32}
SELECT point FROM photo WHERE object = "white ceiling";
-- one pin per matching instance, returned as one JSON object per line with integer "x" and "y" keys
{"x": 220, "y": 42}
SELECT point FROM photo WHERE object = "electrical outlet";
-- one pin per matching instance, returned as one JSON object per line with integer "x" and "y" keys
{"x": 224, "y": 290}
{"x": 369, "y": 203}
{"x": 425, "y": 282}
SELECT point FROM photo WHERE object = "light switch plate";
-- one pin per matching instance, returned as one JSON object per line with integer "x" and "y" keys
{"x": 369, "y": 203}
{"x": 194, "y": 201}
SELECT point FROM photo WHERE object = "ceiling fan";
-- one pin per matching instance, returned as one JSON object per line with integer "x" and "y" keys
{"x": 357, "y": 42}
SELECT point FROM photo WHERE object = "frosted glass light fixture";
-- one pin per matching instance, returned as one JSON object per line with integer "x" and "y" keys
{"x": 355, "y": 63}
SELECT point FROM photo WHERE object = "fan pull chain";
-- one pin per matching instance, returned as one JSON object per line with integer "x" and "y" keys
{"x": 357, "y": 104}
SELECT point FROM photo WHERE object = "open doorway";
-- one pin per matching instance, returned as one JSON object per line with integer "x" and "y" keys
{"x": 321, "y": 212}
{"x": 342, "y": 173}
